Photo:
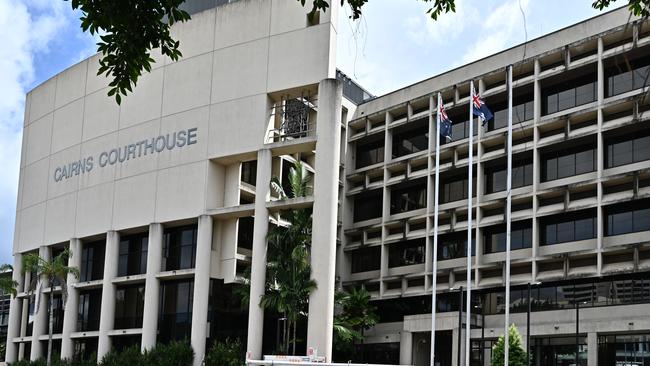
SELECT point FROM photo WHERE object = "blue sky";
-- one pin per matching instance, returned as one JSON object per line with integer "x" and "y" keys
{"x": 394, "y": 44}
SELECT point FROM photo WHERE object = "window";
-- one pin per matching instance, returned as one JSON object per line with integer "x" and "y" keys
{"x": 409, "y": 198}
{"x": 496, "y": 178}
{"x": 133, "y": 255}
{"x": 571, "y": 226}
{"x": 628, "y": 217}
{"x": 58, "y": 313}
{"x": 410, "y": 142}
{"x": 368, "y": 205}
{"x": 568, "y": 162}
{"x": 455, "y": 188}
{"x": 249, "y": 172}
{"x": 569, "y": 94}
{"x": 227, "y": 317}
{"x": 175, "y": 313}
{"x": 460, "y": 130}
{"x": 370, "y": 153}
{"x": 628, "y": 75}
{"x": 90, "y": 304}
{"x": 365, "y": 259}
{"x": 92, "y": 261}
{"x": 129, "y": 306}
{"x": 179, "y": 248}
{"x": 245, "y": 232}
{"x": 559, "y": 351}
{"x": 623, "y": 349}
{"x": 522, "y": 110}
{"x": 406, "y": 253}
{"x": 628, "y": 149}
{"x": 454, "y": 245}
{"x": 521, "y": 236}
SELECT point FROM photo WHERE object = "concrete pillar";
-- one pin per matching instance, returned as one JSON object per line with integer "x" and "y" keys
{"x": 40, "y": 318}
{"x": 406, "y": 348}
{"x": 152, "y": 287}
{"x": 107, "y": 320}
{"x": 592, "y": 349}
{"x": 72, "y": 303}
{"x": 326, "y": 189}
{"x": 15, "y": 312}
{"x": 201, "y": 288}
{"x": 258, "y": 262}
{"x": 454, "y": 348}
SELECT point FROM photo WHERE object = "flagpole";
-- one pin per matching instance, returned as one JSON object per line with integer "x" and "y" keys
{"x": 434, "y": 277}
{"x": 468, "y": 305}
{"x": 508, "y": 219}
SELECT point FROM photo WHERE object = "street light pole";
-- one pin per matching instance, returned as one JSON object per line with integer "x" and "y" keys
{"x": 460, "y": 323}
{"x": 577, "y": 330}
{"x": 528, "y": 329}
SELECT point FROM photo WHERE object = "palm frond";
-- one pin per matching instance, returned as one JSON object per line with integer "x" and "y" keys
{"x": 276, "y": 186}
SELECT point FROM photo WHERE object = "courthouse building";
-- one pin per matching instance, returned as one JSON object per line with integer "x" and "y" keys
{"x": 165, "y": 201}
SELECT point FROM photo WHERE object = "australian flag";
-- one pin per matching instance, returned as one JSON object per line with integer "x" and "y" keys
{"x": 481, "y": 110}
{"x": 445, "y": 123}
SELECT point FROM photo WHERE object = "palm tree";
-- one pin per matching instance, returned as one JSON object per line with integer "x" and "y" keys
{"x": 55, "y": 271}
{"x": 355, "y": 314}
{"x": 7, "y": 284}
{"x": 289, "y": 282}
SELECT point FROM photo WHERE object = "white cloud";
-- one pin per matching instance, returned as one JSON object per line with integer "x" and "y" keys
{"x": 498, "y": 31}
{"x": 26, "y": 29}
{"x": 421, "y": 29}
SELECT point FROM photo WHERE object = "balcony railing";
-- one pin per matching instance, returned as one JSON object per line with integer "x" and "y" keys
{"x": 296, "y": 118}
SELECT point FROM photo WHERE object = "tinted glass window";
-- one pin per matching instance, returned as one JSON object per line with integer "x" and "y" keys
{"x": 408, "y": 198}
{"x": 179, "y": 248}
{"x": 568, "y": 162}
{"x": 129, "y": 306}
{"x": 569, "y": 94}
{"x": 628, "y": 75}
{"x": 410, "y": 142}
{"x": 366, "y": 259}
{"x": 628, "y": 217}
{"x": 133, "y": 255}
{"x": 628, "y": 149}
{"x": 521, "y": 236}
{"x": 369, "y": 153}
{"x": 175, "y": 314}
{"x": 406, "y": 253}
{"x": 568, "y": 227}
{"x": 92, "y": 261}
{"x": 368, "y": 205}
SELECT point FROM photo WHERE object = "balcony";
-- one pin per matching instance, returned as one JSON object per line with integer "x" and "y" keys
{"x": 292, "y": 119}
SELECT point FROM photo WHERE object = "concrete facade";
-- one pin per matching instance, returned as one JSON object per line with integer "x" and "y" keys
{"x": 223, "y": 105}
{"x": 183, "y": 164}
{"x": 390, "y": 252}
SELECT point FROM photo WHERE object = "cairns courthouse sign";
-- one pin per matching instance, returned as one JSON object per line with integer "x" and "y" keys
{"x": 149, "y": 146}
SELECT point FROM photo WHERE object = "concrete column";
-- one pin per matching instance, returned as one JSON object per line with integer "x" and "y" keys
{"x": 258, "y": 262}
{"x": 152, "y": 287}
{"x": 592, "y": 349}
{"x": 326, "y": 189}
{"x": 406, "y": 348}
{"x": 454, "y": 348}
{"x": 107, "y": 320}
{"x": 72, "y": 303}
{"x": 15, "y": 310}
{"x": 201, "y": 288}
{"x": 40, "y": 318}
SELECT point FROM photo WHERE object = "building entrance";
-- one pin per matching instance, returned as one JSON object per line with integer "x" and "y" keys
{"x": 422, "y": 348}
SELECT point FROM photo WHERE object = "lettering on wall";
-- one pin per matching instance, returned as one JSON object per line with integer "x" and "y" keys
{"x": 118, "y": 155}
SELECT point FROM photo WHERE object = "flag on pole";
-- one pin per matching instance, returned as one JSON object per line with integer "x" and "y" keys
{"x": 445, "y": 123}
{"x": 480, "y": 110}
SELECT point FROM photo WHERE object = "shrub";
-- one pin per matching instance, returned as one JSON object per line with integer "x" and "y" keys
{"x": 226, "y": 353}
{"x": 170, "y": 354}
{"x": 129, "y": 356}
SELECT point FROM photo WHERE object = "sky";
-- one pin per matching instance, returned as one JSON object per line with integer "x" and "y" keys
{"x": 393, "y": 45}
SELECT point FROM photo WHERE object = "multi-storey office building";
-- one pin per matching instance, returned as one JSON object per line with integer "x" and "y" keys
{"x": 165, "y": 203}
{"x": 580, "y": 207}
